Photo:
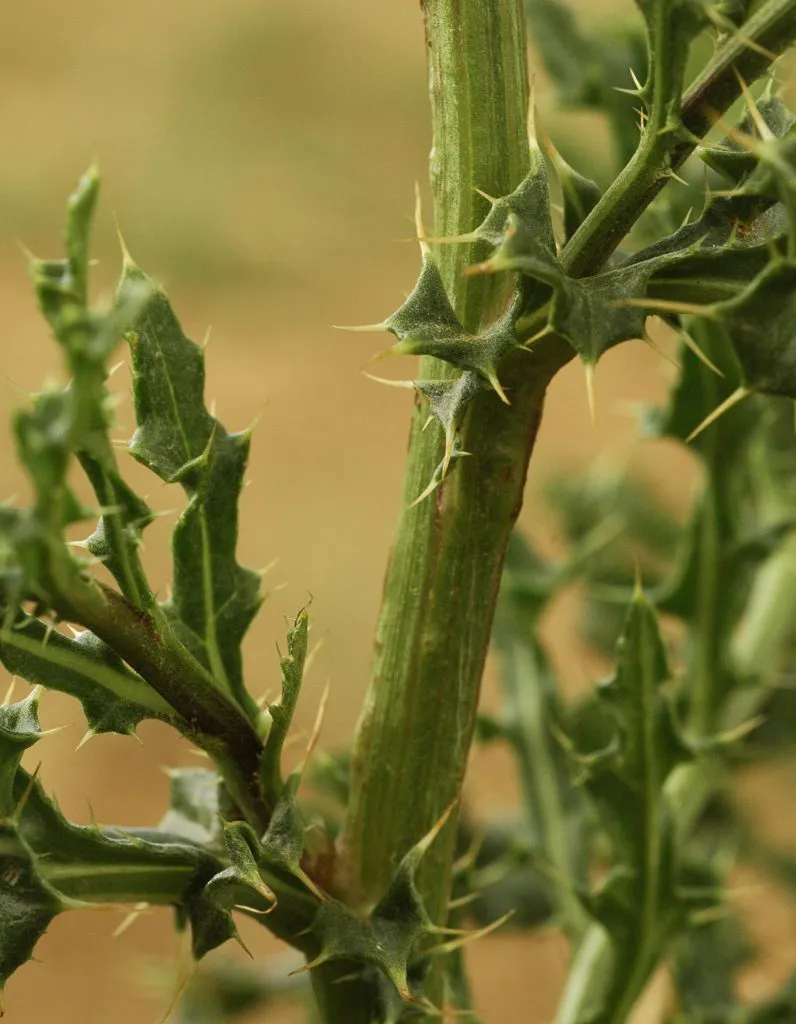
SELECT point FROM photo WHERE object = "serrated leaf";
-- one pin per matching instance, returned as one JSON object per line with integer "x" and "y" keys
{"x": 589, "y": 315}
{"x": 426, "y": 325}
{"x": 27, "y": 903}
{"x": 281, "y": 711}
{"x": 520, "y": 228}
{"x": 113, "y": 697}
{"x": 639, "y": 902}
{"x": 180, "y": 441}
{"x": 117, "y": 536}
{"x": 19, "y": 730}
{"x": 282, "y": 845}
{"x": 48, "y": 865}
{"x": 729, "y": 158}
{"x": 760, "y": 323}
{"x": 386, "y": 938}
{"x": 241, "y": 882}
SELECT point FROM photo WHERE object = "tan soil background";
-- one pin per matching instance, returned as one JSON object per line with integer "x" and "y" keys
{"x": 260, "y": 159}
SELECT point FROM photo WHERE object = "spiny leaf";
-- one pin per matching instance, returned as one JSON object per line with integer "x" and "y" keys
{"x": 529, "y": 714}
{"x": 180, "y": 441}
{"x": 732, "y": 160}
{"x": 283, "y": 843}
{"x": 520, "y": 228}
{"x": 48, "y": 865}
{"x": 113, "y": 697}
{"x": 117, "y": 536}
{"x": 639, "y": 902}
{"x": 760, "y": 323}
{"x": 281, "y": 711}
{"x": 387, "y": 937}
{"x": 589, "y": 315}
{"x": 241, "y": 884}
{"x": 27, "y": 904}
{"x": 19, "y": 730}
{"x": 448, "y": 401}
{"x": 426, "y": 325}
{"x": 744, "y": 509}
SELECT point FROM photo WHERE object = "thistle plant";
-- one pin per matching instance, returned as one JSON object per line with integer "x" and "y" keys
{"x": 630, "y": 829}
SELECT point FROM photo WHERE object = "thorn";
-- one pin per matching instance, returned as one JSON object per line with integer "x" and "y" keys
{"x": 362, "y": 328}
{"x": 405, "y": 384}
{"x": 469, "y": 236}
{"x": 316, "y": 729}
{"x": 474, "y": 269}
{"x": 446, "y": 458}
{"x": 470, "y": 855}
{"x": 673, "y": 174}
{"x": 313, "y": 654}
{"x": 636, "y": 82}
{"x": 638, "y": 586}
{"x": 474, "y": 936}
{"x": 532, "y": 138}
{"x": 687, "y": 217}
{"x": 10, "y": 691}
{"x": 543, "y": 333}
{"x": 486, "y": 195}
{"x": 492, "y": 377}
{"x": 738, "y": 395}
{"x": 589, "y": 371}
{"x": 237, "y": 937}
{"x": 692, "y": 346}
{"x": 745, "y": 141}
{"x": 665, "y": 306}
{"x": 309, "y": 966}
{"x": 206, "y": 339}
{"x": 55, "y": 729}
{"x": 26, "y": 794}
{"x": 648, "y": 340}
{"x": 425, "y": 249}
{"x": 463, "y": 901}
{"x": 763, "y": 130}
{"x": 423, "y": 845}
{"x": 89, "y": 735}
{"x": 425, "y": 493}
{"x": 267, "y": 568}
{"x": 130, "y": 919}
{"x": 182, "y": 984}
{"x": 128, "y": 262}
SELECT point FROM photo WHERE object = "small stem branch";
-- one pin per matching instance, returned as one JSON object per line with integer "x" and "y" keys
{"x": 213, "y": 720}
{"x": 773, "y": 27}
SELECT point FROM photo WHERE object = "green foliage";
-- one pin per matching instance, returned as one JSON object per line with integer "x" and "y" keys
{"x": 630, "y": 828}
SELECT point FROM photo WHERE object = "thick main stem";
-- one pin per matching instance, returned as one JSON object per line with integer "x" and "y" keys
{"x": 442, "y": 580}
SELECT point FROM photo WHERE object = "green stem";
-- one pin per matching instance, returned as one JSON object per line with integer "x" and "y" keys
{"x": 415, "y": 732}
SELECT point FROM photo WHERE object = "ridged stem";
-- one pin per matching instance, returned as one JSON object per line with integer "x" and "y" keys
{"x": 442, "y": 580}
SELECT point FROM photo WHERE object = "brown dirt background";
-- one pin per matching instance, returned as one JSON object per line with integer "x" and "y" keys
{"x": 259, "y": 158}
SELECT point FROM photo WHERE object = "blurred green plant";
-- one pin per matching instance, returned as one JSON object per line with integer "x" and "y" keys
{"x": 630, "y": 830}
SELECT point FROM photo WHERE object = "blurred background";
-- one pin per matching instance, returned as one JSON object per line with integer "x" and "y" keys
{"x": 259, "y": 158}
